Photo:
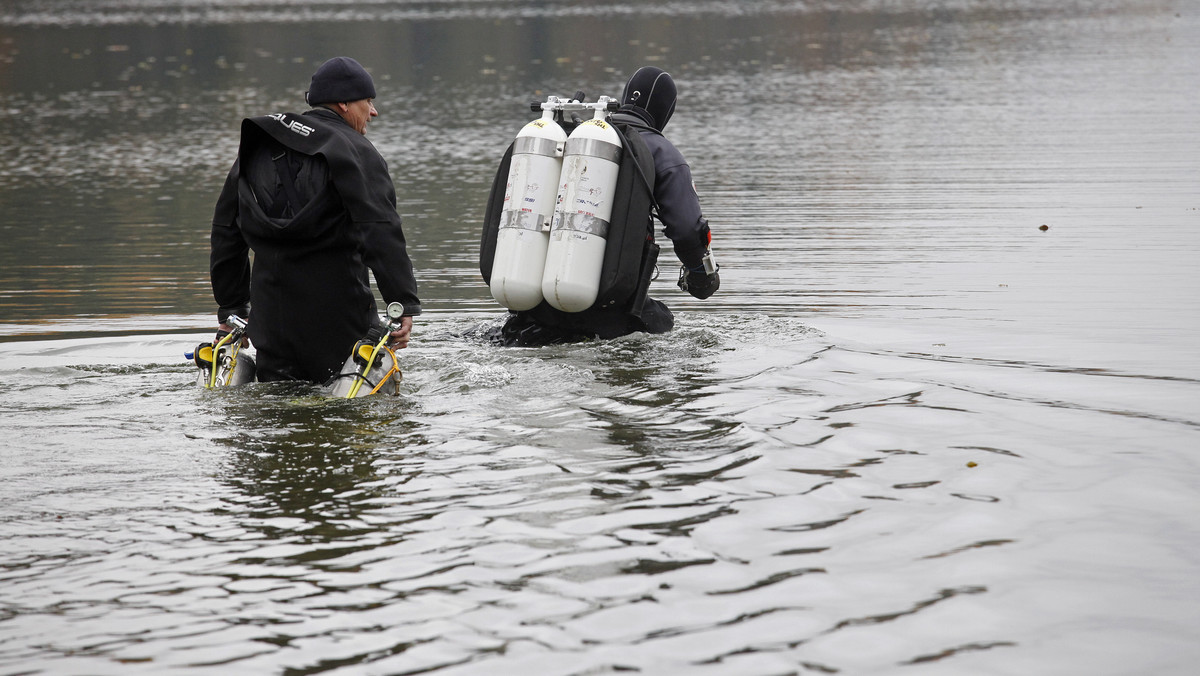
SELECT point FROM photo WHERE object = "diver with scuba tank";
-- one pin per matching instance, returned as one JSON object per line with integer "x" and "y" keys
{"x": 595, "y": 253}
{"x": 314, "y": 201}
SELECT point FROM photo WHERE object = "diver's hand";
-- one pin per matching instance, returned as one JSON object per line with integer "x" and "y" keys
{"x": 398, "y": 339}
{"x": 224, "y": 330}
{"x": 701, "y": 285}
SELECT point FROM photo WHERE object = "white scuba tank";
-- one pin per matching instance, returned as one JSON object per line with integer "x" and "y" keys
{"x": 224, "y": 363}
{"x": 234, "y": 366}
{"x": 579, "y": 231}
{"x": 524, "y": 233}
{"x": 381, "y": 376}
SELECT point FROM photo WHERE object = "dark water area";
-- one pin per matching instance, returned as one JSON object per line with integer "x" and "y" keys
{"x": 941, "y": 418}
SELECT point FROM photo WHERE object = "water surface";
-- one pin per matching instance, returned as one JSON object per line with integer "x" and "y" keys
{"x": 915, "y": 431}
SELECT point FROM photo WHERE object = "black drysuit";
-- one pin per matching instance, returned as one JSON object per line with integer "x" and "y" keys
{"x": 314, "y": 201}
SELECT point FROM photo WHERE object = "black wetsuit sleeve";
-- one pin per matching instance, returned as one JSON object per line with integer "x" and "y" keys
{"x": 385, "y": 250}
{"x": 679, "y": 207}
{"x": 229, "y": 260}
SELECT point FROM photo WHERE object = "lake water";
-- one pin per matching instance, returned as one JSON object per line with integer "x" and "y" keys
{"x": 914, "y": 432}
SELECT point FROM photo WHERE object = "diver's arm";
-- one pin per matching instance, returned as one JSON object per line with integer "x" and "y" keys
{"x": 684, "y": 223}
{"x": 229, "y": 257}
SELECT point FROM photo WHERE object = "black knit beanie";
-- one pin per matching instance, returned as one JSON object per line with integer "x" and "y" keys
{"x": 340, "y": 80}
{"x": 652, "y": 90}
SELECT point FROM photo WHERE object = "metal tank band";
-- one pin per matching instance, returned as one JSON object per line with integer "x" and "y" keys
{"x": 524, "y": 220}
{"x": 584, "y": 223}
{"x": 532, "y": 145}
{"x": 591, "y": 147}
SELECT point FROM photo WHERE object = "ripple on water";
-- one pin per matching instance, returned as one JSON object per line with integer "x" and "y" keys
{"x": 742, "y": 492}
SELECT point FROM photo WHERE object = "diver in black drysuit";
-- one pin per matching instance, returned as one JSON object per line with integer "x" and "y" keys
{"x": 648, "y": 102}
{"x": 309, "y": 287}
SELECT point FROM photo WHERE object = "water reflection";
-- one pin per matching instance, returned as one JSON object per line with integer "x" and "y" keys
{"x": 297, "y": 454}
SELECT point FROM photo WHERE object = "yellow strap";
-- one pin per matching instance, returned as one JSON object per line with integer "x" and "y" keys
{"x": 233, "y": 357}
{"x": 212, "y": 378}
{"x": 395, "y": 369}
{"x": 359, "y": 378}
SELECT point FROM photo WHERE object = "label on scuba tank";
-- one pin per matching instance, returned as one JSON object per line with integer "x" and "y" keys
{"x": 586, "y": 195}
{"x": 528, "y": 200}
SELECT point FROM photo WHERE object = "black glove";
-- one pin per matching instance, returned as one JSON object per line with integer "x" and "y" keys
{"x": 239, "y": 326}
{"x": 699, "y": 284}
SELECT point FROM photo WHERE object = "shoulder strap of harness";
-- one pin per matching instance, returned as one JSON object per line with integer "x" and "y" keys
{"x": 646, "y": 181}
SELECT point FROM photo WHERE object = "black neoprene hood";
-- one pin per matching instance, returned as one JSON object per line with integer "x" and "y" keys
{"x": 652, "y": 90}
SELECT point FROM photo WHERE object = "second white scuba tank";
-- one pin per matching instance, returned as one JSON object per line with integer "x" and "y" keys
{"x": 578, "y": 233}
{"x": 371, "y": 367}
{"x": 524, "y": 232}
